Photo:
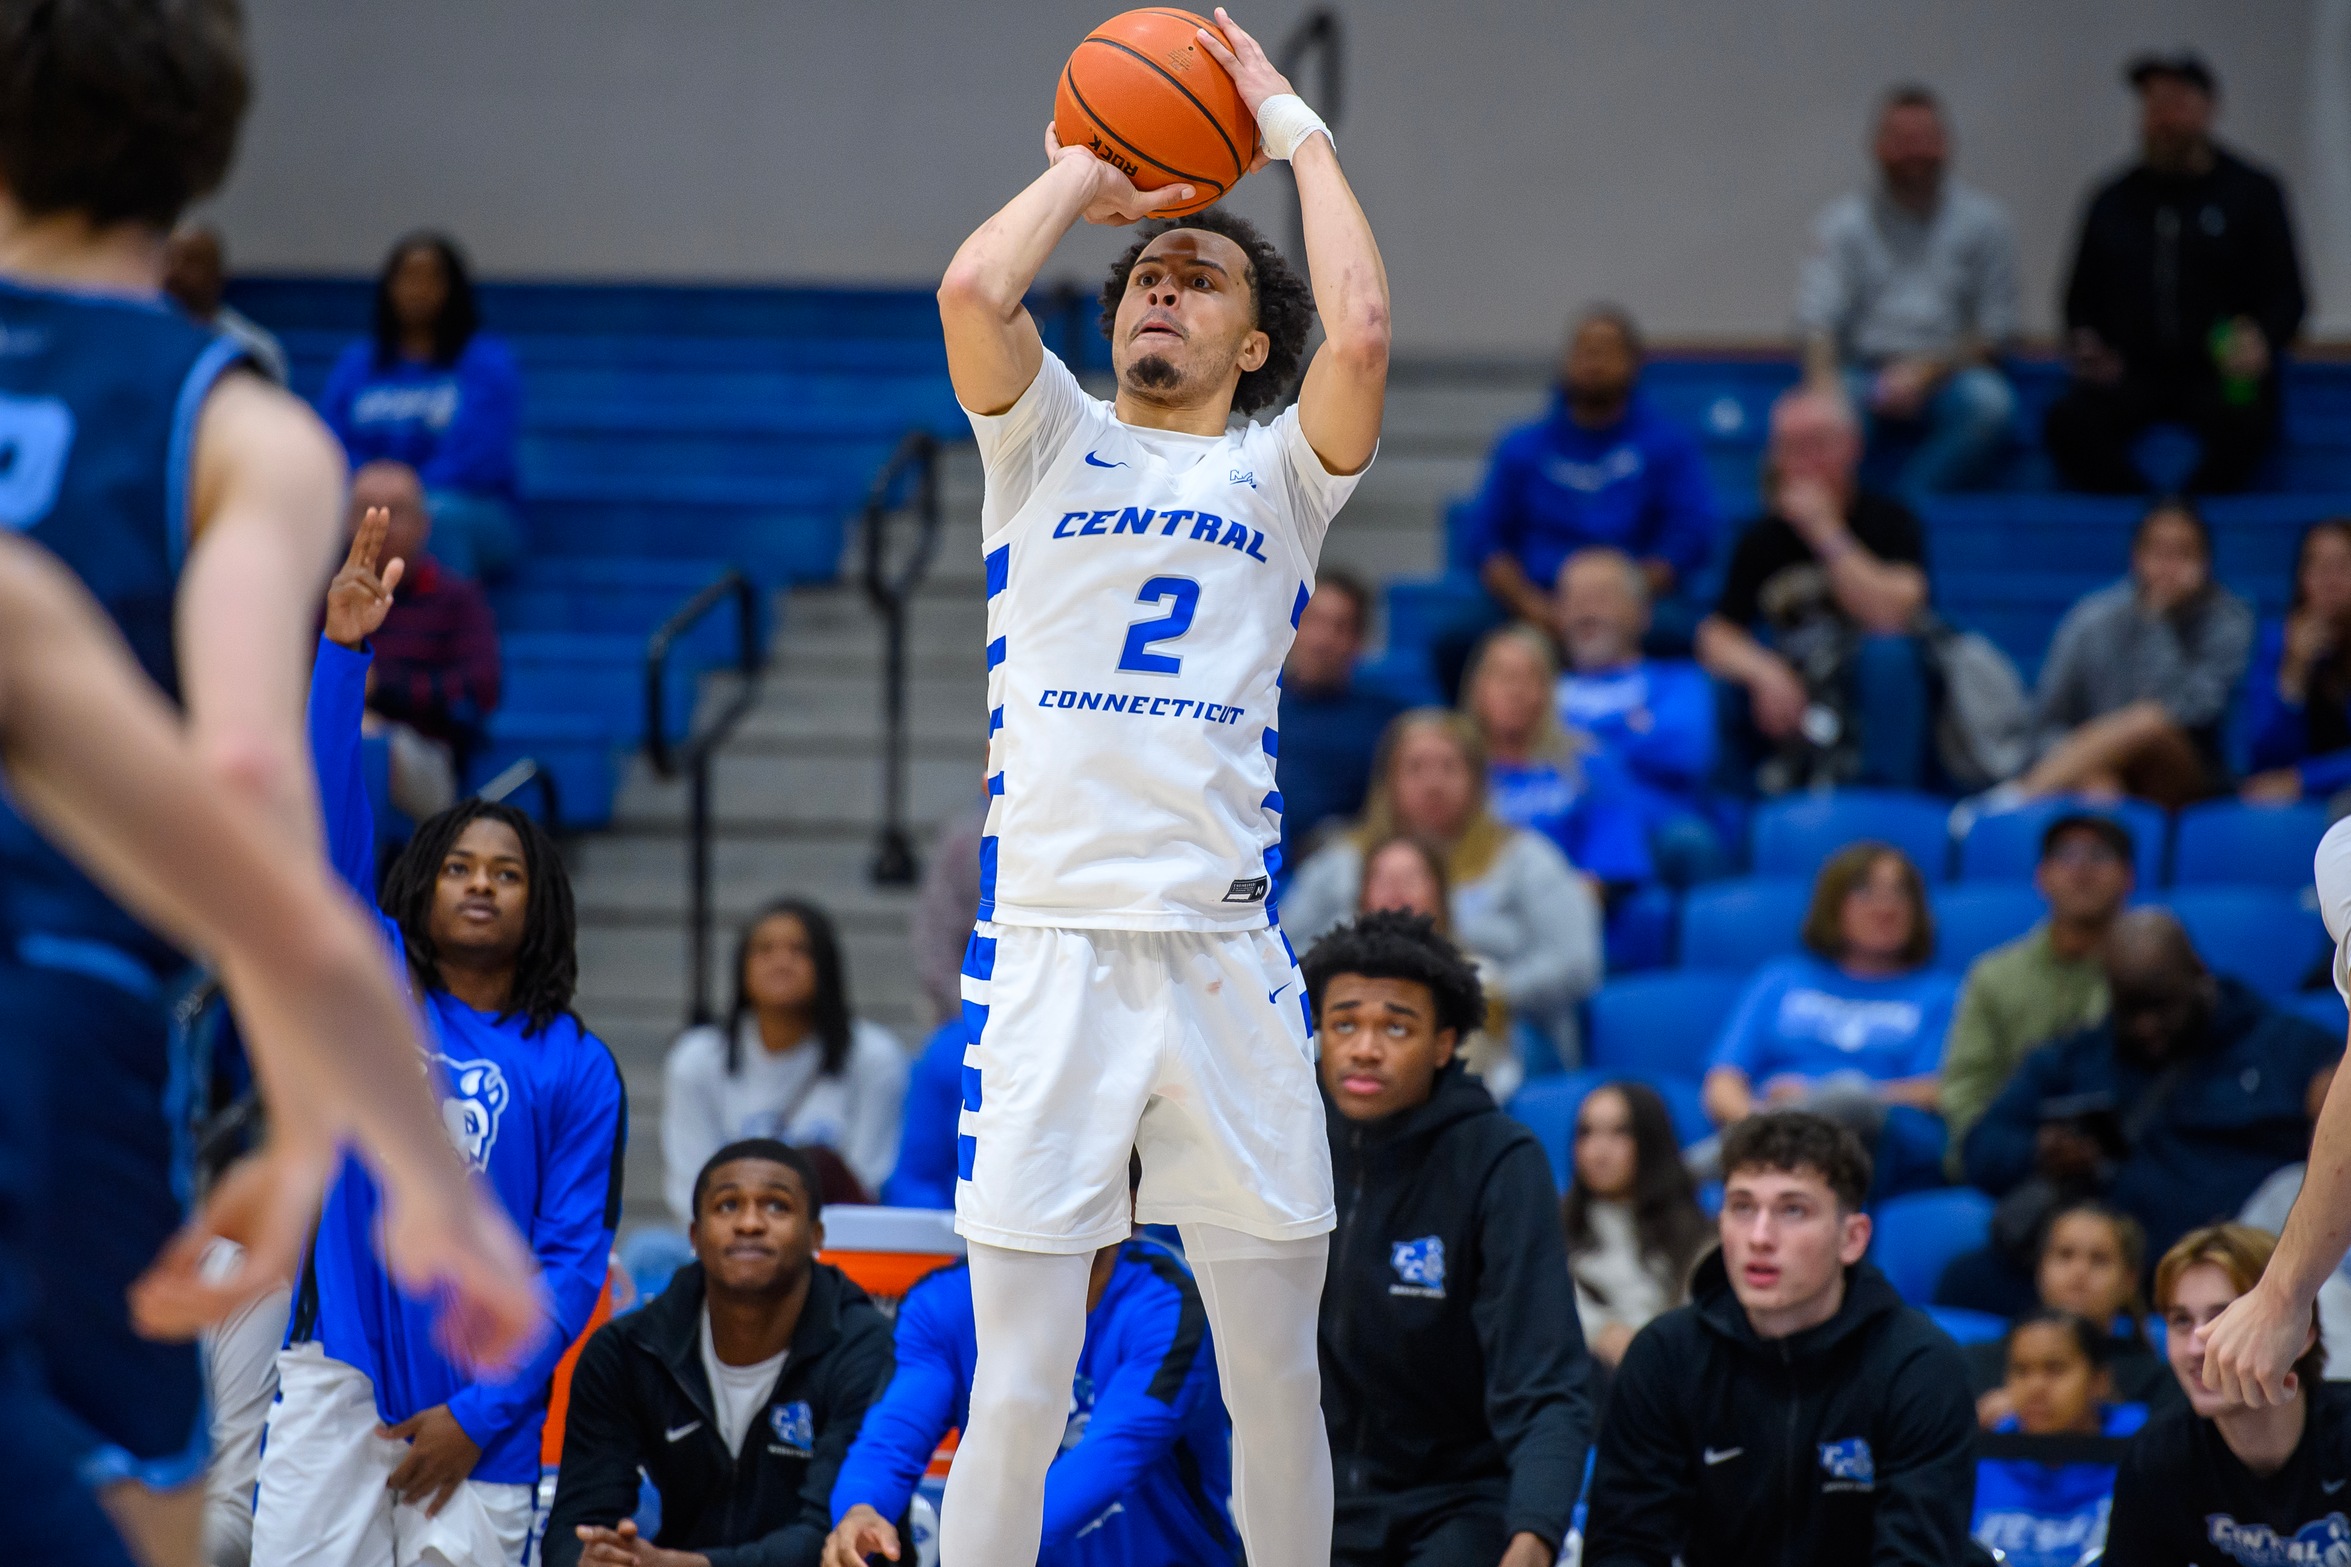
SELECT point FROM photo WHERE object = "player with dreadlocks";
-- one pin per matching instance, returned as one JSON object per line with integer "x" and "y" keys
{"x": 380, "y": 1449}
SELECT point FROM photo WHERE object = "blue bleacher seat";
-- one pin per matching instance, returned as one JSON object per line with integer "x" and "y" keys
{"x": 2323, "y": 1007}
{"x": 1917, "y": 1235}
{"x": 1734, "y": 925}
{"x": 1968, "y": 1327}
{"x": 2261, "y": 935}
{"x": 2007, "y": 846}
{"x": 2265, "y": 845}
{"x": 1795, "y": 835}
{"x": 1971, "y": 918}
{"x": 1547, "y": 1107}
{"x": 1651, "y": 1025}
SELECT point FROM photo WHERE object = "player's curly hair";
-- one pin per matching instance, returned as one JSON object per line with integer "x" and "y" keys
{"x": 547, "y": 969}
{"x": 1392, "y": 944}
{"x": 1281, "y": 303}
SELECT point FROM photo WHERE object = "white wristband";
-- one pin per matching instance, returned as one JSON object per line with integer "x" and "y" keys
{"x": 1284, "y": 122}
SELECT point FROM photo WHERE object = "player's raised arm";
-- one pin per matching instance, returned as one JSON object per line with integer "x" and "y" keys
{"x": 993, "y": 350}
{"x": 1340, "y": 403}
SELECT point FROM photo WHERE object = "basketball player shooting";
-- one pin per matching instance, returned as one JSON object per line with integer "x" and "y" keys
{"x": 1127, "y": 986}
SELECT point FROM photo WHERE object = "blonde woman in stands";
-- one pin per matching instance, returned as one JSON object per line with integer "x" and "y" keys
{"x": 1514, "y": 900}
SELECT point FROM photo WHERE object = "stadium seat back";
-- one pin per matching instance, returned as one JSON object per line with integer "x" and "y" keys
{"x": 2265, "y": 845}
{"x": 1917, "y": 1235}
{"x": 1732, "y": 926}
{"x": 2007, "y": 846}
{"x": 1796, "y": 835}
{"x": 1658, "y": 1024}
{"x": 1546, "y": 1106}
{"x": 2261, "y": 935}
{"x": 1971, "y": 918}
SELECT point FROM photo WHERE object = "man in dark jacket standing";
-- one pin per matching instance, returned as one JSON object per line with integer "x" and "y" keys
{"x": 1795, "y": 1412}
{"x": 1453, "y": 1370}
{"x": 2185, "y": 291}
{"x": 737, "y": 1390}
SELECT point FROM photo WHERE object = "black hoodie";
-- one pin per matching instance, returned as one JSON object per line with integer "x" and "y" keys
{"x": 1852, "y": 1442}
{"x": 1452, "y": 1361}
{"x": 640, "y": 1399}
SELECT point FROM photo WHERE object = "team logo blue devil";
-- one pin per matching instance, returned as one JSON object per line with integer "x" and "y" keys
{"x": 795, "y": 1427}
{"x": 2323, "y": 1543}
{"x": 1420, "y": 1262}
{"x": 475, "y": 1102}
{"x": 1848, "y": 1461}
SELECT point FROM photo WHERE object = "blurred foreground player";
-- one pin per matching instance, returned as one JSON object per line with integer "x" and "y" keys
{"x": 198, "y": 504}
{"x": 94, "y": 757}
{"x": 1146, "y": 566}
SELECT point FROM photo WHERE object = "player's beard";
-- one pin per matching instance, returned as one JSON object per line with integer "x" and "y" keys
{"x": 1154, "y": 374}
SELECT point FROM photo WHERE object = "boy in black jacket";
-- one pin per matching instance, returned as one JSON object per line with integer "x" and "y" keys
{"x": 737, "y": 1389}
{"x": 1795, "y": 1412}
{"x": 1453, "y": 1369}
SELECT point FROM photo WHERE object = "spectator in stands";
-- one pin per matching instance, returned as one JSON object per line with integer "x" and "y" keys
{"x": 1816, "y": 613}
{"x": 791, "y": 1062}
{"x": 1907, "y": 297}
{"x": 429, "y": 388}
{"x": 946, "y": 907}
{"x": 1454, "y": 1379}
{"x": 1853, "y": 1028}
{"x": 2184, "y": 294}
{"x": 1634, "y": 1228}
{"x": 2049, "y": 981}
{"x": 2139, "y": 675}
{"x": 1516, "y": 902}
{"x": 2299, "y": 699}
{"x": 925, "y": 1173}
{"x": 2052, "y": 1511}
{"x": 1796, "y": 1410}
{"x": 1655, "y": 717}
{"x": 736, "y": 1391}
{"x": 1330, "y": 726}
{"x": 1536, "y": 777}
{"x": 2221, "y": 1480}
{"x": 1406, "y": 875}
{"x": 1602, "y": 467}
{"x": 196, "y": 275}
{"x": 2174, "y": 1108}
{"x": 2092, "y": 1258}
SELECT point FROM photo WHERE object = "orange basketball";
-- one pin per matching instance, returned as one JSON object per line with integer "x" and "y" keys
{"x": 1143, "y": 94}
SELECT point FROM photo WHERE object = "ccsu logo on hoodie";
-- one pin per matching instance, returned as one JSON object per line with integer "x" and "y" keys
{"x": 2323, "y": 1543}
{"x": 477, "y": 1098}
{"x": 1420, "y": 1267}
{"x": 1848, "y": 1465}
{"x": 795, "y": 1427}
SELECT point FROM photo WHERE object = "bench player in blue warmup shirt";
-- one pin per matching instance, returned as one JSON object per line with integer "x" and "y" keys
{"x": 1146, "y": 1459}
{"x": 479, "y": 907}
{"x": 198, "y": 505}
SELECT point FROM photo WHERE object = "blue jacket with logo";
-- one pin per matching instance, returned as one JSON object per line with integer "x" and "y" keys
{"x": 1453, "y": 1366}
{"x": 1146, "y": 1461}
{"x": 2040, "y": 1514}
{"x": 458, "y": 425}
{"x": 542, "y": 1118}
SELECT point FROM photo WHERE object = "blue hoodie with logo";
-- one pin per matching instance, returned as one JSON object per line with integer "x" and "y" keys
{"x": 2048, "y": 1514}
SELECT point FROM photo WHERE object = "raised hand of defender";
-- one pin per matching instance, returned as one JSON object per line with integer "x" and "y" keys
{"x": 1244, "y": 58}
{"x": 1115, "y": 202}
{"x": 361, "y": 596}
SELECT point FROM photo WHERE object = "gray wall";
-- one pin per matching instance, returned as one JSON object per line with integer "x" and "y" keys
{"x": 1516, "y": 157}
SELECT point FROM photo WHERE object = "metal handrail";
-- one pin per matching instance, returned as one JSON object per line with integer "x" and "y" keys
{"x": 890, "y": 592}
{"x": 527, "y": 771}
{"x": 1318, "y": 33}
{"x": 692, "y": 755}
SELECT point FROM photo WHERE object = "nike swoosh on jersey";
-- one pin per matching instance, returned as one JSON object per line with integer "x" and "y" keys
{"x": 1275, "y": 994}
{"x": 687, "y": 1429}
{"x": 1099, "y": 463}
{"x": 2330, "y": 1486}
{"x": 1721, "y": 1455}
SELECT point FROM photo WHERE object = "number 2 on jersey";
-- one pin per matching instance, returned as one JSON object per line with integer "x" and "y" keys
{"x": 1137, "y": 655}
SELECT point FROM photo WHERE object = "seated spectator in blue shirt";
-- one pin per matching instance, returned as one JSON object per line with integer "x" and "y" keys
{"x": 1536, "y": 777}
{"x": 429, "y": 388}
{"x": 1854, "y": 1028}
{"x": 1652, "y": 718}
{"x": 2043, "y": 1503}
{"x": 1330, "y": 728}
{"x": 1908, "y": 293}
{"x": 2298, "y": 705}
{"x": 1603, "y": 466}
{"x": 1145, "y": 1466}
{"x": 925, "y": 1174}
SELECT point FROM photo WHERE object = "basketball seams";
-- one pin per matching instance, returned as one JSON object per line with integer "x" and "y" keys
{"x": 1099, "y": 124}
{"x": 1240, "y": 165}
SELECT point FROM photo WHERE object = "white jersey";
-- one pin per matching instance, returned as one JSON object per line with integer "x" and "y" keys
{"x": 1143, "y": 588}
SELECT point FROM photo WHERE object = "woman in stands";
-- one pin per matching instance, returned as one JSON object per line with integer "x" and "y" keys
{"x": 430, "y": 389}
{"x": 2298, "y": 703}
{"x": 2092, "y": 1258}
{"x": 1535, "y": 777}
{"x": 2219, "y": 1482}
{"x": 791, "y": 1062}
{"x": 2140, "y": 673}
{"x": 1634, "y": 1227}
{"x": 1406, "y": 875}
{"x": 1515, "y": 901}
{"x": 2043, "y": 1500}
{"x": 1854, "y": 1026}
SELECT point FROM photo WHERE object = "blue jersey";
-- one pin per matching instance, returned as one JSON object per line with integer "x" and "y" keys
{"x": 543, "y": 1120}
{"x": 1146, "y": 1461}
{"x": 2048, "y": 1515}
{"x": 99, "y": 396}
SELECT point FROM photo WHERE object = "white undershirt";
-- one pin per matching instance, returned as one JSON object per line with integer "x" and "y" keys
{"x": 737, "y": 1392}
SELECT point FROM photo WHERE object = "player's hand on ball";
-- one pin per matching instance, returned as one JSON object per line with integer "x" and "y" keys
{"x": 1115, "y": 201}
{"x": 360, "y": 596}
{"x": 1244, "y": 59}
{"x": 2250, "y": 1349}
{"x": 862, "y": 1533}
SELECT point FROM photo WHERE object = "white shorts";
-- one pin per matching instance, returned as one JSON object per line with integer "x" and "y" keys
{"x": 1087, "y": 1045}
{"x": 322, "y": 1501}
